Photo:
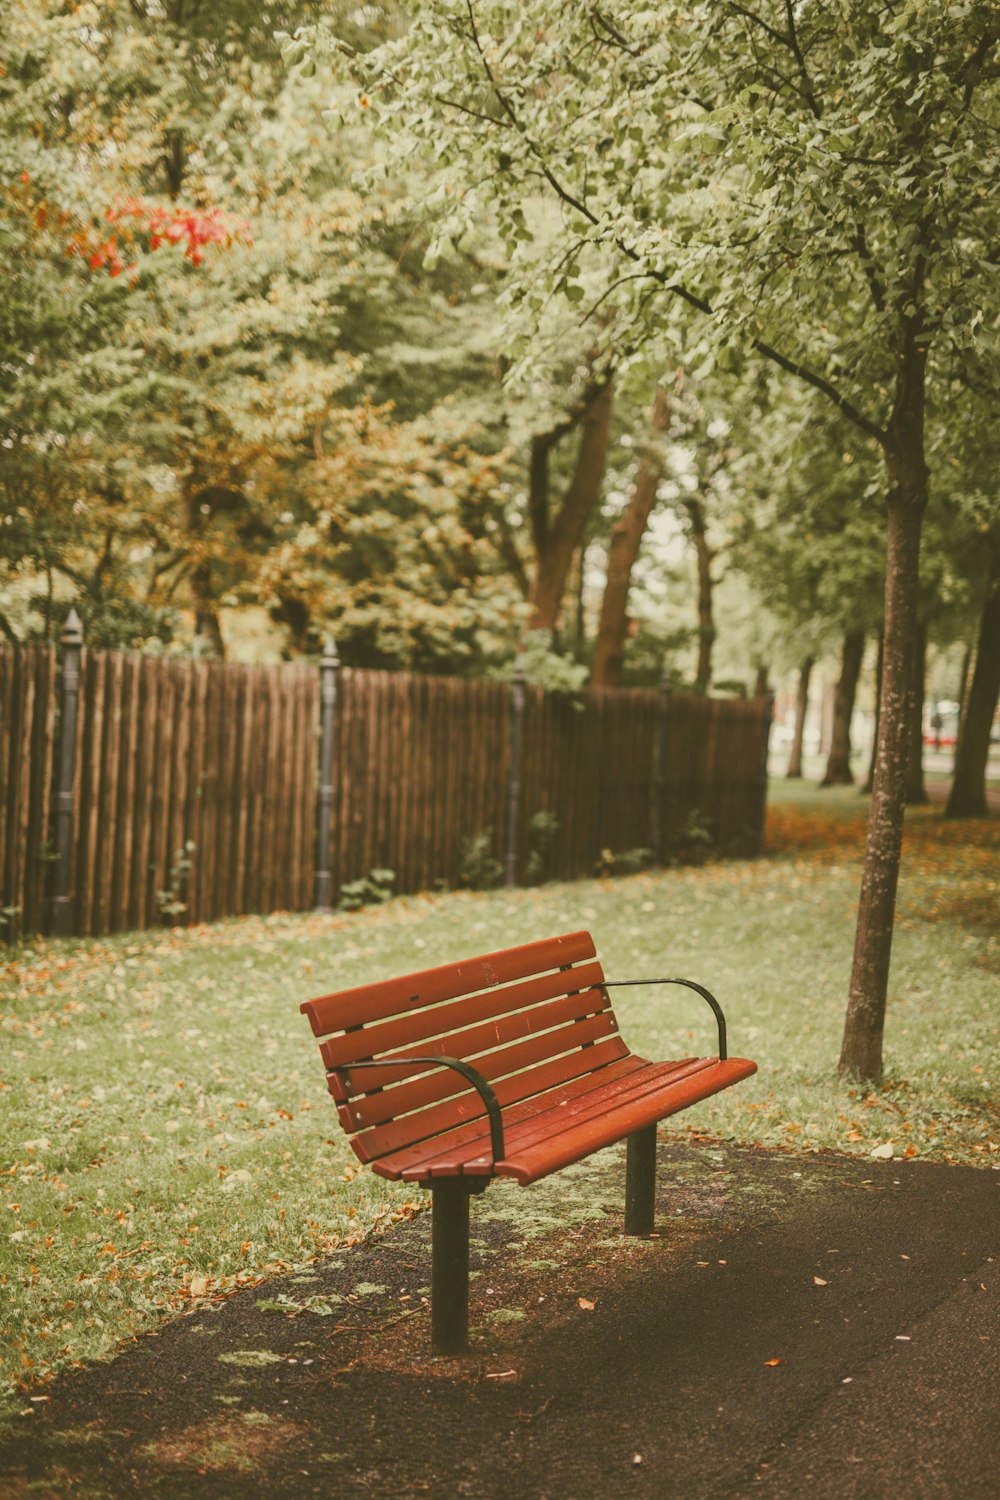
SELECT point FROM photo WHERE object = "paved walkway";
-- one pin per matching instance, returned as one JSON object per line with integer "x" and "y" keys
{"x": 801, "y": 1326}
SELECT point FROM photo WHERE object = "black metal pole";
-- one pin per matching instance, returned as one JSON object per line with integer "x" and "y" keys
{"x": 71, "y": 641}
{"x": 329, "y": 664}
{"x": 516, "y": 758}
{"x": 763, "y": 773}
{"x": 449, "y": 1265}
{"x": 640, "y": 1181}
{"x": 660, "y": 770}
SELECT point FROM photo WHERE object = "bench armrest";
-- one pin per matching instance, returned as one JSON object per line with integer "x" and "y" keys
{"x": 468, "y": 1072}
{"x": 691, "y": 985}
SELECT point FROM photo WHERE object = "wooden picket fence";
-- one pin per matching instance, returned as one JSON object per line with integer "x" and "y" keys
{"x": 194, "y": 785}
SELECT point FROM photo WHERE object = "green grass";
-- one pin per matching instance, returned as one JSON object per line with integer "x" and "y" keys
{"x": 165, "y": 1133}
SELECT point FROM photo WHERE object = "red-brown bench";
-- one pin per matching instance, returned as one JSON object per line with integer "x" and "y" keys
{"x": 506, "y": 1065}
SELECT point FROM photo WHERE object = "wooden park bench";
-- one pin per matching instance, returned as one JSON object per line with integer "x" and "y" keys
{"x": 506, "y": 1065}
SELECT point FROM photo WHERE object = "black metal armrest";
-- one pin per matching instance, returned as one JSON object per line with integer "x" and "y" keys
{"x": 691, "y": 985}
{"x": 474, "y": 1077}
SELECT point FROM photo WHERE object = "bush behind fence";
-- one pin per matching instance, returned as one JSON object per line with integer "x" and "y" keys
{"x": 195, "y": 790}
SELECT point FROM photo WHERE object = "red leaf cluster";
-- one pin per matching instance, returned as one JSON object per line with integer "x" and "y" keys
{"x": 134, "y": 219}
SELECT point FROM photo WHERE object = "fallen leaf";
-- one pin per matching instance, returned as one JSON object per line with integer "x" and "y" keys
{"x": 772, "y": 1361}
{"x": 583, "y": 1302}
{"x": 818, "y": 1281}
{"x": 883, "y": 1152}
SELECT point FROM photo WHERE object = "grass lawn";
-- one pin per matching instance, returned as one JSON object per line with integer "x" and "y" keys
{"x": 165, "y": 1132}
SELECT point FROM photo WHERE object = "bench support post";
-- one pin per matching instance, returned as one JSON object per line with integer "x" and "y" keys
{"x": 449, "y": 1265}
{"x": 640, "y": 1181}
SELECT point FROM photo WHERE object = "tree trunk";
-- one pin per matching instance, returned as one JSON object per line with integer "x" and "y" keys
{"x": 879, "y": 662}
{"x": 626, "y": 539}
{"x": 916, "y": 792}
{"x": 801, "y": 709}
{"x": 838, "y": 765}
{"x": 861, "y": 1051}
{"x": 557, "y": 539}
{"x": 761, "y": 686}
{"x": 206, "y": 614}
{"x": 967, "y": 798}
{"x": 704, "y": 557}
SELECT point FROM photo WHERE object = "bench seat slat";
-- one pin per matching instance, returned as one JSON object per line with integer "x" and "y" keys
{"x": 397, "y": 1103}
{"x": 554, "y": 1111}
{"x": 374, "y": 1002}
{"x": 550, "y": 1112}
{"x": 467, "y": 1141}
{"x": 396, "y": 1133}
{"x": 540, "y": 1020}
{"x": 426, "y": 1022}
{"x": 579, "y": 1141}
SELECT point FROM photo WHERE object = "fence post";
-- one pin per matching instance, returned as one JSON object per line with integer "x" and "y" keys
{"x": 769, "y": 703}
{"x": 329, "y": 664}
{"x": 516, "y": 758}
{"x": 660, "y": 769}
{"x": 71, "y": 641}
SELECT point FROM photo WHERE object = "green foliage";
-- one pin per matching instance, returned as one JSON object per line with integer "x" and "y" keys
{"x": 624, "y": 862}
{"x": 171, "y": 902}
{"x": 478, "y": 867}
{"x": 547, "y": 668}
{"x": 542, "y": 829}
{"x": 372, "y": 889}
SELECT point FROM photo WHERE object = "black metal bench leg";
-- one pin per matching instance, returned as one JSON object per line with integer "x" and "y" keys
{"x": 640, "y": 1181}
{"x": 449, "y": 1265}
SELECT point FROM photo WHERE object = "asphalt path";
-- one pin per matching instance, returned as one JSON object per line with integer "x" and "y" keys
{"x": 800, "y": 1325}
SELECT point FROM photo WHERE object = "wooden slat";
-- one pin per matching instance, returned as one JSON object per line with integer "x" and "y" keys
{"x": 464, "y": 1142}
{"x": 419, "y": 1094}
{"x": 246, "y": 710}
{"x": 373, "y": 1002}
{"x": 586, "y": 1100}
{"x": 456, "y": 1111}
{"x": 442, "y": 1020}
{"x": 471, "y": 1042}
{"x": 571, "y": 1145}
{"x": 124, "y": 879}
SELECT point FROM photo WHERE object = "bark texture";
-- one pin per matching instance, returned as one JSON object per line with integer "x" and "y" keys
{"x": 906, "y": 470}
{"x": 967, "y": 798}
{"x": 838, "y": 765}
{"x": 626, "y": 539}
{"x": 801, "y": 709}
{"x": 557, "y": 537}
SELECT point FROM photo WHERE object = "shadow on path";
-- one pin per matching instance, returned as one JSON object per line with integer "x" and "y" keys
{"x": 800, "y": 1325}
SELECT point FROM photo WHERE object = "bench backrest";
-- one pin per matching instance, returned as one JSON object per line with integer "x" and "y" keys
{"x": 526, "y": 1018}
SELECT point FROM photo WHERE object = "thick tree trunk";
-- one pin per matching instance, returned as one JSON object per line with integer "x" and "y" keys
{"x": 626, "y": 539}
{"x": 916, "y": 792}
{"x": 861, "y": 1051}
{"x": 556, "y": 539}
{"x": 801, "y": 709}
{"x": 704, "y": 556}
{"x": 838, "y": 765}
{"x": 967, "y": 798}
{"x": 761, "y": 686}
{"x": 879, "y": 661}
